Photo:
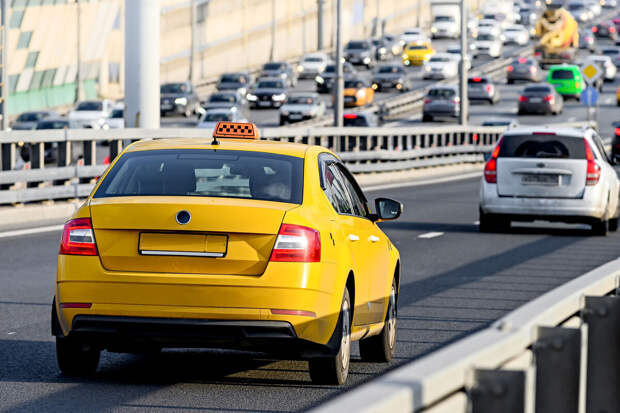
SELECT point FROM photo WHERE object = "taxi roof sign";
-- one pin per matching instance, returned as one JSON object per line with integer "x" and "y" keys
{"x": 235, "y": 130}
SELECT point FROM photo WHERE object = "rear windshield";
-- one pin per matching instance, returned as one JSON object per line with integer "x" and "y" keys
{"x": 270, "y": 84}
{"x": 485, "y": 37}
{"x": 355, "y": 121}
{"x": 440, "y": 59}
{"x": 313, "y": 59}
{"x": 610, "y": 52}
{"x": 562, "y": 74}
{"x": 444, "y": 18}
{"x": 274, "y": 66}
{"x": 51, "y": 124}
{"x": 301, "y": 100}
{"x": 542, "y": 146}
{"x": 232, "y": 79}
{"x": 207, "y": 173}
{"x": 222, "y": 97}
{"x": 117, "y": 114}
{"x": 535, "y": 90}
{"x": 217, "y": 117}
{"x": 441, "y": 93}
{"x": 417, "y": 47}
{"x": 357, "y": 45}
{"x": 353, "y": 84}
{"x": 89, "y": 106}
{"x": 390, "y": 69}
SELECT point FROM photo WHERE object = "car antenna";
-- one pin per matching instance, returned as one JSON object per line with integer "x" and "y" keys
{"x": 215, "y": 141}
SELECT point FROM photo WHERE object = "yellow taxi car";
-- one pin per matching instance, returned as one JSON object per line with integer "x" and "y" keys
{"x": 357, "y": 92}
{"x": 417, "y": 53}
{"x": 232, "y": 243}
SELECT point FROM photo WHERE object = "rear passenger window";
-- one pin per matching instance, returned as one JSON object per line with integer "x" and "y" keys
{"x": 542, "y": 146}
{"x": 336, "y": 191}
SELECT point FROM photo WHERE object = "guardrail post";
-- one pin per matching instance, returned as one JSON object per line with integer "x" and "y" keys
{"x": 498, "y": 391}
{"x": 63, "y": 158}
{"x": 7, "y": 152}
{"x": 90, "y": 157}
{"x": 116, "y": 147}
{"x": 558, "y": 367}
{"x": 37, "y": 160}
{"x": 602, "y": 314}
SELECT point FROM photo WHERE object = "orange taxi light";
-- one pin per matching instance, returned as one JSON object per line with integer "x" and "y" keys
{"x": 236, "y": 130}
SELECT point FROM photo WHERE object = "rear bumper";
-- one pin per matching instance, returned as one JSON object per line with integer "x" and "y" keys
{"x": 542, "y": 107}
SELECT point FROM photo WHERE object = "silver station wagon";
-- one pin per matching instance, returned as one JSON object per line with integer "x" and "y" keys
{"x": 549, "y": 174}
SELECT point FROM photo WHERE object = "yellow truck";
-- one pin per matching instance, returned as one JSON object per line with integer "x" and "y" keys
{"x": 558, "y": 36}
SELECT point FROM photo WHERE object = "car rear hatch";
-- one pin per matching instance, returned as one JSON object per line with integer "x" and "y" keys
{"x": 194, "y": 211}
{"x": 541, "y": 166}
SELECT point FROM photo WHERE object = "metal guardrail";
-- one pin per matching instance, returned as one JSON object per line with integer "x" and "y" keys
{"x": 558, "y": 353}
{"x": 363, "y": 149}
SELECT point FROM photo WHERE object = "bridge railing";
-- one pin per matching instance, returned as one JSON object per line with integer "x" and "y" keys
{"x": 558, "y": 353}
{"x": 76, "y": 166}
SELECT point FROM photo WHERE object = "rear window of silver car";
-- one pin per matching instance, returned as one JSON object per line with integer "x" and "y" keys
{"x": 542, "y": 146}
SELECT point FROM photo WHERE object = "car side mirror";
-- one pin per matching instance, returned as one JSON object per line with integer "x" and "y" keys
{"x": 387, "y": 209}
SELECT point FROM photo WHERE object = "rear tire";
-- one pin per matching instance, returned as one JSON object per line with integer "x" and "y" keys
{"x": 427, "y": 118}
{"x": 335, "y": 369}
{"x": 76, "y": 358}
{"x": 491, "y": 223}
{"x": 600, "y": 228}
{"x": 613, "y": 224}
{"x": 380, "y": 348}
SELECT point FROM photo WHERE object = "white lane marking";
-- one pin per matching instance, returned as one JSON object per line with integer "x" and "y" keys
{"x": 424, "y": 182}
{"x": 430, "y": 235}
{"x": 30, "y": 231}
{"x": 10, "y": 333}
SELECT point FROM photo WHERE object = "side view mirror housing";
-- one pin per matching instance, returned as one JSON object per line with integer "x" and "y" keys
{"x": 387, "y": 209}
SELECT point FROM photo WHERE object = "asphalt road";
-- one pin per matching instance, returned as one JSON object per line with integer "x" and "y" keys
{"x": 453, "y": 282}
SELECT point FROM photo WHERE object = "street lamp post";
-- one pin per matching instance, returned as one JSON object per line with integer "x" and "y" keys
{"x": 339, "y": 84}
{"x": 464, "y": 103}
{"x": 78, "y": 83}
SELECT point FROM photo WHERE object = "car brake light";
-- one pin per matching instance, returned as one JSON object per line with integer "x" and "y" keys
{"x": 612, "y": 30}
{"x": 427, "y": 101}
{"x": 510, "y": 68}
{"x": 477, "y": 79}
{"x": 577, "y": 85}
{"x": 490, "y": 169}
{"x": 522, "y": 60}
{"x": 489, "y": 88}
{"x": 593, "y": 171}
{"x": 456, "y": 100}
{"x": 548, "y": 98}
{"x": 350, "y": 116}
{"x": 523, "y": 99}
{"x": 537, "y": 54}
{"x": 594, "y": 29}
{"x": 296, "y": 243}
{"x": 617, "y": 131}
{"x": 78, "y": 238}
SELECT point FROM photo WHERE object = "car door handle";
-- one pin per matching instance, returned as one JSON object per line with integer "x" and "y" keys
{"x": 353, "y": 237}
{"x": 373, "y": 238}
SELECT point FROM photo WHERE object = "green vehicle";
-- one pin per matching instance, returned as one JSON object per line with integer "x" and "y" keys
{"x": 567, "y": 80}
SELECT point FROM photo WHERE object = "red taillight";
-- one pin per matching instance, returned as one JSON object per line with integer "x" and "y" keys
{"x": 427, "y": 101}
{"x": 490, "y": 169}
{"x": 537, "y": 54}
{"x": 593, "y": 171}
{"x": 523, "y": 99}
{"x": 594, "y": 29}
{"x": 350, "y": 116}
{"x": 296, "y": 243}
{"x": 612, "y": 30}
{"x": 78, "y": 238}
{"x": 510, "y": 68}
{"x": 456, "y": 100}
{"x": 477, "y": 79}
{"x": 548, "y": 98}
{"x": 75, "y": 305}
{"x": 617, "y": 131}
{"x": 577, "y": 85}
{"x": 522, "y": 60}
{"x": 489, "y": 88}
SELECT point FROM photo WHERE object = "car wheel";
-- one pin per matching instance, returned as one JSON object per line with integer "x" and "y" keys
{"x": 613, "y": 224}
{"x": 491, "y": 223}
{"x": 76, "y": 358}
{"x": 380, "y": 348}
{"x": 282, "y": 121}
{"x": 427, "y": 118}
{"x": 510, "y": 81}
{"x": 491, "y": 102}
{"x": 600, "y": 228}
{"x": 334, "y": 370}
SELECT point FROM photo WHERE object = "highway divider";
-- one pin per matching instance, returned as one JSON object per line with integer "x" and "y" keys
{"x": 558, "y": 353}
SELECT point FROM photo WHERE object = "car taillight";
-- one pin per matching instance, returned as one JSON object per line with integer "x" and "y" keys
{"x": 532, "y": 69}
{"x": 296, "y": 243}
{"x": 523, "y": 99}
{"x": 594, "y": 29}
{"x": 456, "y": 100}
{"x": 548, "y": 98}
{"x": 593, "y": 171}
{"x": 537, "y": 54}
{"x": 522, "y": 60}
{"x": 510, "y": 68}
{"x": 612, "y": 30}
{"x": 78, "y": 238}
{"x": 427, "y": 101}
{"x": 617, "y": 131}
{"x": 489, "y": 89}
{"x": 490, "y": 169}
{"x": 577, "y": 85}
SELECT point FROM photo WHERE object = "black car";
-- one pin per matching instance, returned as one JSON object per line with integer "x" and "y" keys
{"x": 178, "y": 98}
{"x": 325, "y": 80}
{"x": 239, "y": 81}
{"x": 382, "y": 51}
{"x": 587, "y": 41}
{"x": 282, "y": 70}
{"x": 361, "y": 119}
{"x": 268, "y": 93}
{"x": 226, "y": 99}
{"x": 541, "y": 99}
{"x": 391, "y": 76}
{"x": 605, "y": 30}
{"x": 525, "y": 69}
{"x": 360, "y": 52}
{"x": 29, "y": 120}
{"x": 393, "y": 44}
{"x": 50, "y": 148}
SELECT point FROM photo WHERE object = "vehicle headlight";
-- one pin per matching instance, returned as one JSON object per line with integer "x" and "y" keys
{"x": 382, "y": 50}
{"x": 395, "y": 50}
{"x": 433, "y": 29}
{"x": 319, "y": 79}
{"x": 283, "y": 75}
{"x": 280, "y": 96}
{"x": 405, "y": 56}
{"x": 180, "y": 101}
{"x": 252, "y": 97}
{"x": 366, "y": 60}
{"x": 284, "y": 113}
{"x": 300, "y": 68}
{"x": 583, "y": 16}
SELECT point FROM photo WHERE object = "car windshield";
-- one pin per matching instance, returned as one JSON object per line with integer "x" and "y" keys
{"x": 353, "y": 84}
{"x": 117, "y": 114}
{"x": 575, "y": 6}
{"x": 496, "y": 123}
{"x": 273, "y": 66}
{"x": 357, "y": 45}
{"x": 486, "y": 37}
{"x": 29, "y": 117}
{"x": 270, "y": 84}
{"x": 440, "y": 59}
{"x": 562, "y": 74}
{"x": 412, "y": 33}
{"x": 222, "y": 97}
{"x": 537, "y": 90}
{"x": 174, "y": 88}
{"x": 217, "y": 117}
{"x": 206, "y": 173}
{"x": 313, "y": 59}
{"x": 232, "y": 79}
{"x": 390, "y": 69}
{"x": 512, "y": 29}
{"x": 444, "y": 18}
{"x": 610, "y": 52}
{"x": 417, "y": 47}
{"x": 442, "y": 93}
{"x": 90, "y": 106}
{"x": 355, "y": 120}
{"x": 542, "y": 146}
{"x": 53, "y": 124}
{"x": 301, "y": 100}
{"x": 331, "y": 68}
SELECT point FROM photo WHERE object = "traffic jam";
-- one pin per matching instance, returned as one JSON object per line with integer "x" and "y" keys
{"x": 237, "y": 242}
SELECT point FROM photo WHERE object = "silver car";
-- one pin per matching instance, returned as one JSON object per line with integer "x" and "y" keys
{"x": 540, "y": 173}
{"x": 301, "y": 106}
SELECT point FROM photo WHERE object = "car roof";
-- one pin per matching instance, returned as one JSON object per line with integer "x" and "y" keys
{"x": 563, "y": 131}
{"x": 265, "y": 146}
{"x": 564, "y": 67}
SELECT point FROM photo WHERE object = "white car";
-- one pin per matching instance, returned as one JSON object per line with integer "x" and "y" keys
{"x": 516, "y": 34}
{"x": 211, "y": 117}
{"x": 549, "y": 174}
{"x": 604, "y": 63}
{"x": 312, "y": 64}
{"x": 488, "y": 25}
{"x": 487, "y": 44}
{"x": 456, "y": 51}
{"x": 413, "y": 35}
{"x": 441, "y": 66}
{"x": 89, "y": 112}
{"x": 301, "y": 106}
